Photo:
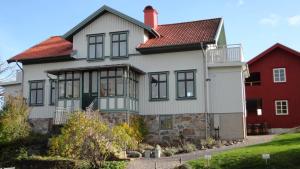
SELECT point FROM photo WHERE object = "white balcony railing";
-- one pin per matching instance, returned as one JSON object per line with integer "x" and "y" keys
{"x": 226, "y": 54}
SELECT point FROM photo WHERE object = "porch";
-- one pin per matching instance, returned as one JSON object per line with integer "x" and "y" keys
{"x": 110, "y": 88}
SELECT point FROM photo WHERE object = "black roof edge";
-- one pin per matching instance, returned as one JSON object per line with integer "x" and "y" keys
{"x": 43, "y": 60}
{"x": 174, "y": 48}
{"x": 100, "y": 11}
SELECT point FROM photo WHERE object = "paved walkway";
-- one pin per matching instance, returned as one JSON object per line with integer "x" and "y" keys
{"x": 171, "y": 162}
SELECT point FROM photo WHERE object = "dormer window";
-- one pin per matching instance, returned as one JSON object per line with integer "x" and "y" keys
{"x": 119, "y": 44}
{"x": 95, "y": 46}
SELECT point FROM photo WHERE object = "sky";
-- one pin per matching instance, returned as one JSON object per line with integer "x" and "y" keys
{"x": 255, "y": 24}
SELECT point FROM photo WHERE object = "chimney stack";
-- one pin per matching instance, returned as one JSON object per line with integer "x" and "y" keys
{"x": 150, "y": 17}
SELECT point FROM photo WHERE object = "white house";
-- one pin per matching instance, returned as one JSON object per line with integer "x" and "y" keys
{"x": 182, "y": 78}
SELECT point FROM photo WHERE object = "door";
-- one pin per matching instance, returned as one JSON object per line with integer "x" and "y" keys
{"x": 89, "y": 88}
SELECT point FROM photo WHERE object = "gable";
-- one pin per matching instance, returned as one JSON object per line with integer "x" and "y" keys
{"x": 104, "y": 9}
{"x": 267, "y": 52}
{"x": 106, "y": 24}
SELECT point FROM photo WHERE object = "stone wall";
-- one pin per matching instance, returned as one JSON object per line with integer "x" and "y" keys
{"x": 115, "y": 118}
{"x": 186, "y": 127}
{"x": 41, "y": 125}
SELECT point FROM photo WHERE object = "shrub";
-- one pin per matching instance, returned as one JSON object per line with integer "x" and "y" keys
{"x": 14, "y": 120}
{"x": 170, "y": 151}
{"x": 139, "y": 128}
{"x": 125, "y": 136}
{"x": 87, "y": 138}
{"x": 184, "y": 166}
{"x": 187, "y": 148}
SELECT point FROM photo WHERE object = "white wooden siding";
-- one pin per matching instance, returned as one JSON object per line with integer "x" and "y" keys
{"x": 105, "y": 24}
{"x": 226, "y": 90}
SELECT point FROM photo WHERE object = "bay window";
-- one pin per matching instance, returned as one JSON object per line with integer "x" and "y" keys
{"x": 112, "y": 82}
{"x": 69, "y": 85}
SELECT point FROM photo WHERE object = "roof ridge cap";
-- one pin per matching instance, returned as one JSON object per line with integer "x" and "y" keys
{"x": 190, "y": 21}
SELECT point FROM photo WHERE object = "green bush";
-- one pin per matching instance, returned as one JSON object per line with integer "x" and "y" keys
{"x": 139, "y": 128}
{"x": 87, "y": 138}
{"x": 14, "y": 120}
{"x": 188, "y": 147}
{"x": 125, "y": 136}
{"x": 170, "y": 151}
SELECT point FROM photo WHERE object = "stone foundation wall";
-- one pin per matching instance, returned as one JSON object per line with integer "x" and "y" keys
{"x": 115, "y": 118}
{"x": 41, "y": 125}
{"x": 186, "y": 127}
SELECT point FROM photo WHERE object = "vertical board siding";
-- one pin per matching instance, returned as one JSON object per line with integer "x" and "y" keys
{"x": 106, "y": 24}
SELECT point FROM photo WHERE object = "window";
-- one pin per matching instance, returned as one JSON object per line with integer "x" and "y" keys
{"x": 119, "y": 44}
{"x": 68, "y": 85}
{"x": 52, "y": 92}
{"x": 112, "y": 82}
{"x": 281, "y": 107}
{"x": 133, "y": 85}
{"x": 279, "y": 75}
{"x": 185, "y": 84}
{"x": 36, "y": 94}
{"x": 165, "y": 122}
{"x": 253, "y": 80}
{"x": 158, "y": 86}
{"x": 95, "y": 46}
{"x": 253, "y": 104}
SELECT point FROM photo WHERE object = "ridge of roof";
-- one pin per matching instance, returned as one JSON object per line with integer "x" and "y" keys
{"x": 270, "y": 49}
{"x": 178, "y": 23}
{"x": 99, "y": 12}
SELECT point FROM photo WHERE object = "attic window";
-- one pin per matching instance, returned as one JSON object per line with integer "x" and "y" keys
{"x": 95, "y": 46}
{"x": 253, "y": 80}
{"x": 119, "y": 44}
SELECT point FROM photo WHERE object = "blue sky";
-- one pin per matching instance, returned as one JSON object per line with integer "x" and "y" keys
{"x": 256, "y": 24}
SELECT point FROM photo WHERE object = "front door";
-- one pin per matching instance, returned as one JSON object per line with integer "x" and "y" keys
{"x": 89, "y": 88}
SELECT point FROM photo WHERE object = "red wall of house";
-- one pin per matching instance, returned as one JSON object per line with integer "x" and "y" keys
{"x": 270, "y": 91}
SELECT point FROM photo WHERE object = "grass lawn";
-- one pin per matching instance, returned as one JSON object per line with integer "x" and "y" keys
{"x": 284, "y": 151}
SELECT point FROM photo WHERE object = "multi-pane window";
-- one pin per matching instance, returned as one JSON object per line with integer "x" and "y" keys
{"x": 112, "y": 82}
{"x": 119, "y": 43}
{"x": 52, "y": 92}
{"x": 133, "y": 85}
{"x": 68, "y": 85}
{"x": 36, "y": 94}
{"x": 158, "y": 86}
{"x": 279, "y": 75}
{"x": 185, "y": 84}
{"x": 281, "y": 107}
{"x": 95, "y": 46}
{"x": 165, "y": 122}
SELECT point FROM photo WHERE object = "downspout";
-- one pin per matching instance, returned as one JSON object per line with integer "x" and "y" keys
{"x": 206, "y": 97}
{"x": 22, "y": 78}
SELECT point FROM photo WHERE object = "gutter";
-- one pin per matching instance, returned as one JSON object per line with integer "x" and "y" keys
{"x": 206, "y": 93}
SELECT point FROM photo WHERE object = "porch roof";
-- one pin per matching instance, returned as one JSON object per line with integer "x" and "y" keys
{"x": 57, "y": 71}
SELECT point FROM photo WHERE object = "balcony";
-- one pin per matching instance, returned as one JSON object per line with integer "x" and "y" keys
{"x": 230, "y": 54}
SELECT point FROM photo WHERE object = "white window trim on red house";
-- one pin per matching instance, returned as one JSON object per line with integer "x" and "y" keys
{"x": 277, "y": 75}
{"x": 279, "y": 103}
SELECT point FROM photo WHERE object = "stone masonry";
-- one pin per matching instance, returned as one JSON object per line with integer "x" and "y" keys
{"x": 186, "y": 127}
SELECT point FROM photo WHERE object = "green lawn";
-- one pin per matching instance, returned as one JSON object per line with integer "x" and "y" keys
{"x": 284, "y": 151}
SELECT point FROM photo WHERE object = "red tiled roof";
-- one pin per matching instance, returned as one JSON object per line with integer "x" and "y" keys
{"x": 53, "y": 47}
{"x": 184, "y": 33}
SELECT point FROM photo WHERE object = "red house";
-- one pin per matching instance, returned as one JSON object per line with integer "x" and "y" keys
{"x": 273, "y": 89}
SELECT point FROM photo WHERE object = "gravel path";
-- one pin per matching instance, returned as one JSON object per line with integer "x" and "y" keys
{"x": 171, "y": 162}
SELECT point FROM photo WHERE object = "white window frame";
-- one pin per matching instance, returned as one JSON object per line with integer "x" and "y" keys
{"x": 280, "y": 102}
{"x": 280, "y": 80}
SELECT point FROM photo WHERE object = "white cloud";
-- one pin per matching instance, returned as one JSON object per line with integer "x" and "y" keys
{"x": 272, "y": 20}
{"x": 240, "y": 2}
{"x": 294, "y": 20}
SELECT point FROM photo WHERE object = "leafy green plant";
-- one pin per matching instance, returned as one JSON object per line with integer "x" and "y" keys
{"x": 170, "y": 151}
{"x": 139, "y": 128}
{"x": 87, "y": 138}
{"x": 125, "y": 136}
{"x": 188, "y": 147}
{"x": 14, "y": 120}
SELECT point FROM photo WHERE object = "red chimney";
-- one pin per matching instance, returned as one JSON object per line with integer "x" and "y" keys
{"x": 150, "y": 17}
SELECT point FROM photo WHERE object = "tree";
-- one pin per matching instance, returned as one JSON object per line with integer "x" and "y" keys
{"x": 14, "y": 120}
